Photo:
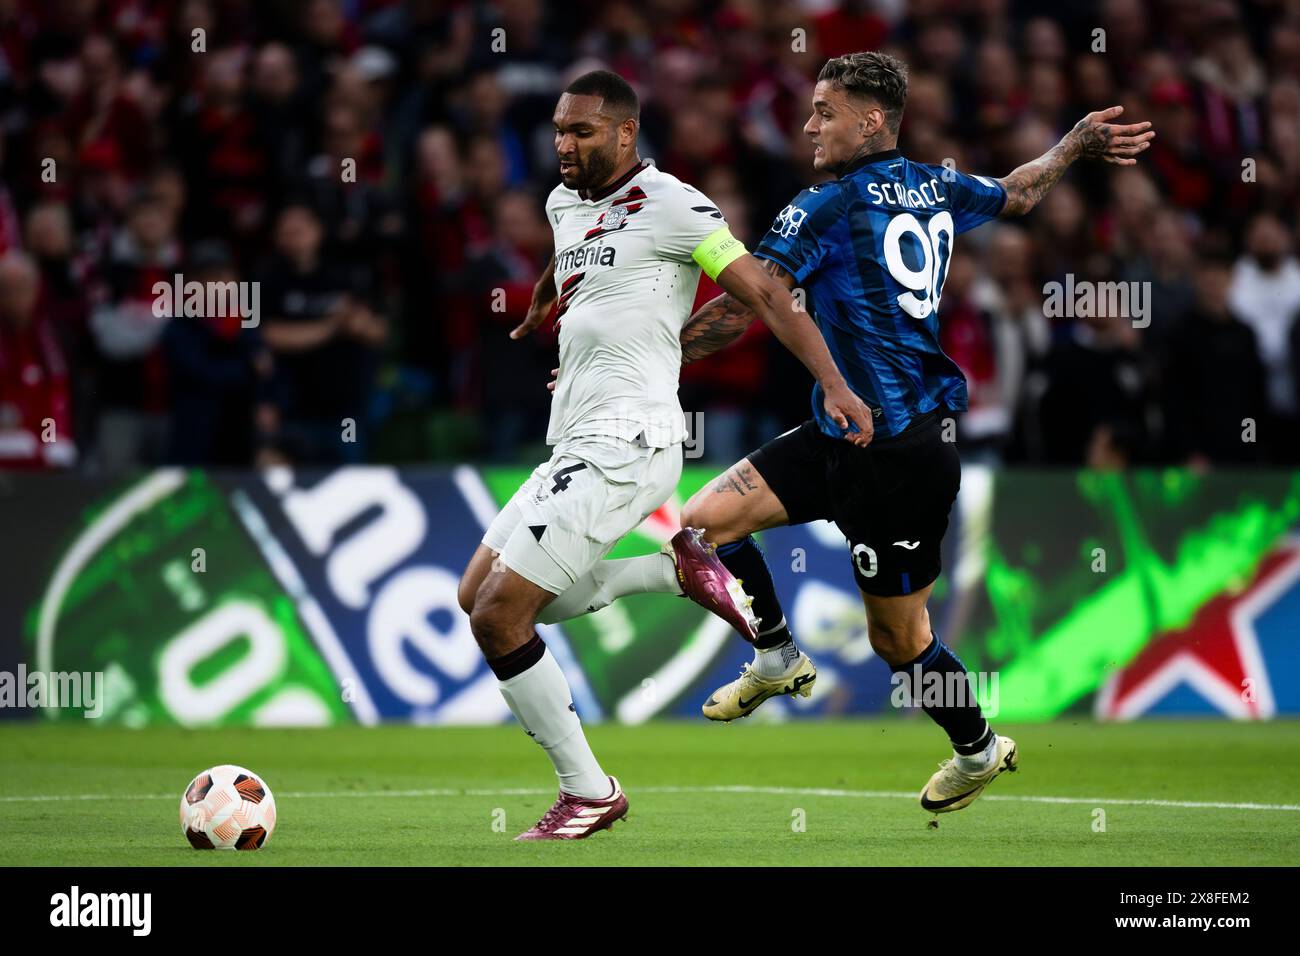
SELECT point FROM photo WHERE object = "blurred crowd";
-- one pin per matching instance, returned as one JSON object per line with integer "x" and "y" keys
{"x": 378, "y": 168}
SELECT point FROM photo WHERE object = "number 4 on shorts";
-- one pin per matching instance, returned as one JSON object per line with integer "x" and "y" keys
{"x": 562, "y": 479}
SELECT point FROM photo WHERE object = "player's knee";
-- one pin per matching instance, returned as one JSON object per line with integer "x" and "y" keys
{"x": 889, "y": 641}
{"x": 490, "y": 624}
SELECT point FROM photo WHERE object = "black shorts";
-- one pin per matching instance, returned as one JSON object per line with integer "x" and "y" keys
{"x": 890, "y": 499}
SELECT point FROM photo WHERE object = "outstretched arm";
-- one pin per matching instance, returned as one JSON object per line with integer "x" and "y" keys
{"x": 721, "y": 320}
{"x": 1093, "y": 137}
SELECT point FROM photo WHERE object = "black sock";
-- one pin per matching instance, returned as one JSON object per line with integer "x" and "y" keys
{"x": 960, "y": 718}
{"x": 745, "y": 560}
{"x": 518, "y": 660}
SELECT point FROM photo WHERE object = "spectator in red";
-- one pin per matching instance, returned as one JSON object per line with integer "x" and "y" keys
{"x": 1177, "y": 155}
{"x": 223, "y": 151}
{"x": 968, "y": 335}
{"x": 100, "y": 204}
{"x": 102, "y": 113}
{"x": 50, "y": 241}
{"x": 452, "y": 222}
{"x": 1231, "y": 83}
{"x": 848, "y": 27}
{"x": 511, "y": 373}
{"x": 35, "y": 398}
{"x": 434, "y": 305}
{"x": 9, "y": 229}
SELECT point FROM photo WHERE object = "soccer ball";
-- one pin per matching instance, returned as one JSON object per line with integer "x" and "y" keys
{"x": 227, "y": 808}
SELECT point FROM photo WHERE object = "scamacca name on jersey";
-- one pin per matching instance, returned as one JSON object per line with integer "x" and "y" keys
{"x": 895, "y": 195}
{"x": 791, "y": 218}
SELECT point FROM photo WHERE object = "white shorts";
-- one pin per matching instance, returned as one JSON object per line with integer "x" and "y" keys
{"x": 572, "y": 510}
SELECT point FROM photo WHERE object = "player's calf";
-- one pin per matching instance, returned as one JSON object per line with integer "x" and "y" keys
{"x": 531, "y": 682}
{"x": 936, "y": 680}
{"x": 776, "y": 654}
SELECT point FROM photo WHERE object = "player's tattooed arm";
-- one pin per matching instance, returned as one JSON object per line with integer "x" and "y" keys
{"x": 540, "y": 307}
{"x": 1093, "y": 137}
{"x": 721, "y": 320}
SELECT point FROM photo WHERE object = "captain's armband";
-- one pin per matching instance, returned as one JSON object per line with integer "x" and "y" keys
{"x": 718, "y": 251}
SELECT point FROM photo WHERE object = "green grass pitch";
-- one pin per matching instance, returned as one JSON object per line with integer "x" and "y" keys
{"x": 751, "y": 794}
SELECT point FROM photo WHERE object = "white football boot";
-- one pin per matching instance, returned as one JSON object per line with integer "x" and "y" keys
{"x": 951, "y": 788}
{"x": 742, "y": 696}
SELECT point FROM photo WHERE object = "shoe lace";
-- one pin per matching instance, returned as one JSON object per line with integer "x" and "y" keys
{"x": 955, "y": 775}
{"x": 551, "y": 815}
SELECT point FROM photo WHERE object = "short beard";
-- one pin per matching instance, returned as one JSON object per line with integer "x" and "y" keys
{"x": 599, "y": 167}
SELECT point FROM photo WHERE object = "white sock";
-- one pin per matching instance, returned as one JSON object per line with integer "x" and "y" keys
{"x": 980, "y": 762}
{"x": 773, "y": 662}
{"x": 612, "y": 579}
{"x": 540, "y": 699}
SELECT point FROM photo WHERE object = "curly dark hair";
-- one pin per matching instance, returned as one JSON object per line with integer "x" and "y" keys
{"x": 876, "y": 76}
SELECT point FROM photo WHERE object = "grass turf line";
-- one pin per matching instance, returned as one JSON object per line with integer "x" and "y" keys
{"x": 1192, "y": 760}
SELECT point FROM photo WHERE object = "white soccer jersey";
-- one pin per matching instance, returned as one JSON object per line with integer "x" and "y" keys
{"x": 626, "y": 280}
